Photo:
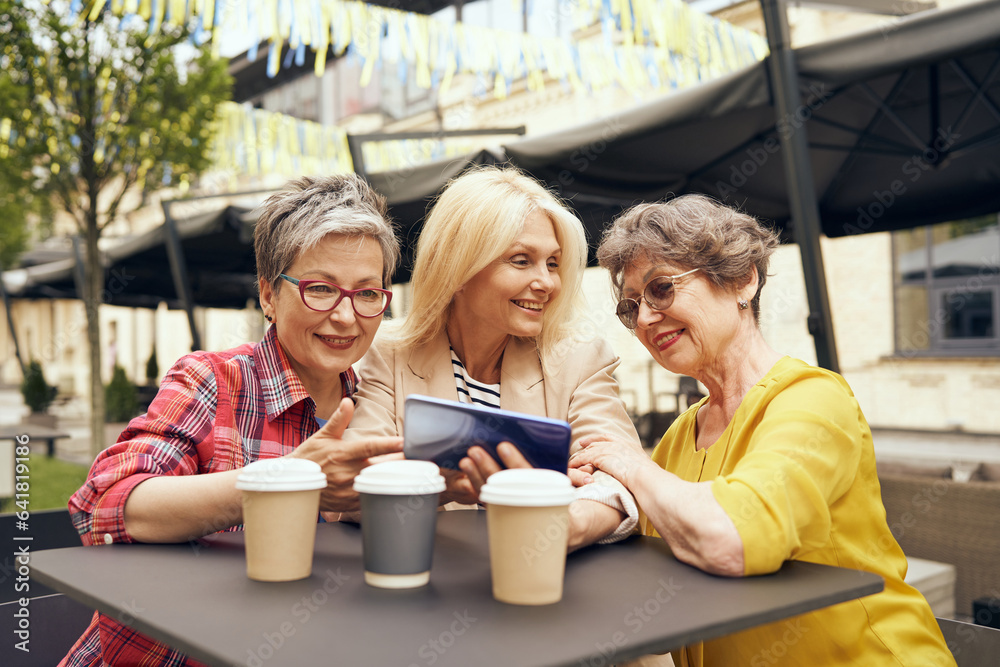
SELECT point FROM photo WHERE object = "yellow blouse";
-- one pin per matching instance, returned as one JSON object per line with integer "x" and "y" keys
{"x": 795, "y": 471}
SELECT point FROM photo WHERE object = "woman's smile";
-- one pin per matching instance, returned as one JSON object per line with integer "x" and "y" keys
{"x": 667, "y": 338}
{"x": 533, "y": 307}
{"x": 337, "y": 342}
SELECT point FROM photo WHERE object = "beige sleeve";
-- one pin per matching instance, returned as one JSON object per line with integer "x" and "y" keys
{"x": 375, "y": 400}
{"x": 596, "y": 408}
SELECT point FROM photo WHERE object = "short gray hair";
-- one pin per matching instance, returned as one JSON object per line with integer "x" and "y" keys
{"x": 308, "y": 209}
{"x": 693, "y": 232}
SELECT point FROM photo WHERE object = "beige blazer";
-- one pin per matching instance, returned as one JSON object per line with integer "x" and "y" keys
{"x": 582, "y": 391}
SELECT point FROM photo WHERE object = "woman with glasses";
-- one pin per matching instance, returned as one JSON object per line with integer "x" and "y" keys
{"x": 494, "y": 318}
{"x": 775, "y": 464}
{"x": 325, "y": 251}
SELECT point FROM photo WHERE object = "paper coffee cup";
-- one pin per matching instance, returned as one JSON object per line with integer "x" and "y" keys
{"x": 280, "y": 511}
{"x": 398, "y": 519}
{"x": 527, "y": 517}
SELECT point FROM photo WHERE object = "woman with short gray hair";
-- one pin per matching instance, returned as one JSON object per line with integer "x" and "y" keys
{"x": 775, "y": 464}
{"x": 325, "y": 253}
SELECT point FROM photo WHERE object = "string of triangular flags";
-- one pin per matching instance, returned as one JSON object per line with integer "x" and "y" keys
{"x": 258, "y": 143}
{"x": 664, "y": 42}
{"x": 644, "y": 43}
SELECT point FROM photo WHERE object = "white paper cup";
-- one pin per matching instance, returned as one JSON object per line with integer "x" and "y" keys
{"x": 398, "y": 519}
{"x": 527, "y": 517}
{"x": 280, "y": 511}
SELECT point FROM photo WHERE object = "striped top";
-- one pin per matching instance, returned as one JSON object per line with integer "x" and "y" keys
{"x": 471, "y": 391}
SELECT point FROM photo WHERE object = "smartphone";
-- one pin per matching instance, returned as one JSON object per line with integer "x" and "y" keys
{"x": 442, "y": 431}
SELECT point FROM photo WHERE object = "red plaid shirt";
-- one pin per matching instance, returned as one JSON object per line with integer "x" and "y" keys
{"x": 215, "y": 411}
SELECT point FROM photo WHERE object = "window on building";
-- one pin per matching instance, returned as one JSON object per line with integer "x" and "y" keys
{"x": 947, "y": 283}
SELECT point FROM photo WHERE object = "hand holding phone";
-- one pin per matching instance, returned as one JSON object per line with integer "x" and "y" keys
{"x": 442, "y": 431}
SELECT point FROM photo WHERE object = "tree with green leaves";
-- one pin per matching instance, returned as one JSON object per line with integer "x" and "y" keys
{"x": 19, "y": 201}
{"x": 106, "y": 107}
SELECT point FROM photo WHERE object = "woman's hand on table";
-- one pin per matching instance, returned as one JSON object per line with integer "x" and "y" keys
{"x": 342, "y": 461}
{"x": 685, "y": 514}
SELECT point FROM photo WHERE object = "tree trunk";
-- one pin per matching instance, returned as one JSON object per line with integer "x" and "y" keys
{"x": 93, "y": 270}
{"x": 94, "y": 286}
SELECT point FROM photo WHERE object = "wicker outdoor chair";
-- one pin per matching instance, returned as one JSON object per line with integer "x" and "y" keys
{"x": 950, "y": 522}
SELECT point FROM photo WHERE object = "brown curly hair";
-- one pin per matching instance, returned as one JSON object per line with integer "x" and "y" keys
{"x": 694, "y": 232}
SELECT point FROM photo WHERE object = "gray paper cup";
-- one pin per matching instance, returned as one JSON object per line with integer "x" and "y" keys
{"x": 398, "y": 519}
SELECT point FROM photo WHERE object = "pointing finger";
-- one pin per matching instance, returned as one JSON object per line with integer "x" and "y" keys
{"x": 339, "y": 420}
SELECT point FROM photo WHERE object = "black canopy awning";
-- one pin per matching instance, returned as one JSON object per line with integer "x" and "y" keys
{"x": 903, "y": 126}
{"x": 217, "y": 246}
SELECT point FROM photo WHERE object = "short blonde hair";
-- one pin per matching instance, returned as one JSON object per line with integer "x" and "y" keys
{"x": 308, "y": 209}
{"x": 694, "y": 232}
{"x": 477, "y": 217}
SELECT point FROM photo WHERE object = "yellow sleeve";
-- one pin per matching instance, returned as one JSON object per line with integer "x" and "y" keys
{"x": 802, "y": 455}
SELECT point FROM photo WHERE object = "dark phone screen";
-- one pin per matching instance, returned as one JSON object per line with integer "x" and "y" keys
{"x": 442, "y": 431}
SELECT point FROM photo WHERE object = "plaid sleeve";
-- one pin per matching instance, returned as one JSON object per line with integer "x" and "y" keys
{"x": 174, "y": 437}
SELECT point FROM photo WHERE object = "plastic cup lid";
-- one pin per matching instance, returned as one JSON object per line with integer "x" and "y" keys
{"x": 527, "y": 487}
{"x": 400, "y": 478}
{"x": 281, "y": 475}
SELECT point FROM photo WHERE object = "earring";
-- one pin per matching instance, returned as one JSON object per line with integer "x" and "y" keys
{"x": 743, "y": 304}
{"x": 269, "y": 318}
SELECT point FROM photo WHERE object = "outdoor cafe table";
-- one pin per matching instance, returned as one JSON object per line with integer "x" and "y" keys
{"x": 34, "y": 433}
{"x": 620, "y": 601}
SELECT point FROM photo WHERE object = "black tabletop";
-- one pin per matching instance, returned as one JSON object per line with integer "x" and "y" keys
{"x": 620, "y": 601}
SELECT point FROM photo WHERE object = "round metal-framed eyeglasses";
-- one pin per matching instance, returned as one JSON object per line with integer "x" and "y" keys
{"x": 322, "y": 296}
{"x": 658, "y": 294}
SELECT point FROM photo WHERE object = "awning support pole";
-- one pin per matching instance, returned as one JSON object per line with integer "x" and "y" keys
{"x": 10, "y": 321}
{"x": 178, "y": 270}
{"x": 799, "y": 179}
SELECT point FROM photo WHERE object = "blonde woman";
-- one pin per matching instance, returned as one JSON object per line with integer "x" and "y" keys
{"x": 494, "y": 320}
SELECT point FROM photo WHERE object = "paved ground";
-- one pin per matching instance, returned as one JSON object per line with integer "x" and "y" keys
{"x": 959, "y": 449}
